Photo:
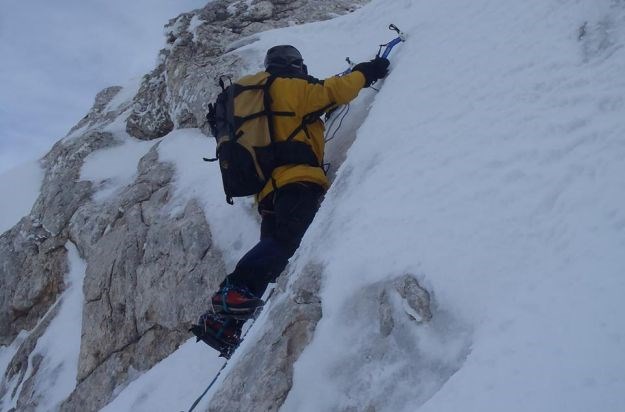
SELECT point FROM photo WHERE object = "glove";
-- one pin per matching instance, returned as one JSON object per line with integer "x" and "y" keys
{"x": 373, "y": 70}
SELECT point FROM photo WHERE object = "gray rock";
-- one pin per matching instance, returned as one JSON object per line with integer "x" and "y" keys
{"x": 62, "y": 192}
{"x": 148, "y": 273}
{"x": 32, "y": 253}
{"x": 102, "y": 381}
{"x": 31, "y": 276}
{"x": 147, "y": 276}
{"x": 149, "y": 117}
{"x": 94, "y": 391}
{"x": 416, "y": 298}
{"x": 263, "y": 374}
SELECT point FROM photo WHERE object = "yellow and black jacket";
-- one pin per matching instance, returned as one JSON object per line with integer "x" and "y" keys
{"x": 306, "y": 98}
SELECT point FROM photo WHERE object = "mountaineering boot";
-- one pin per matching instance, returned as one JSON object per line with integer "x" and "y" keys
{"x": 235, "y": 302}
{"x": 219, "y": 332}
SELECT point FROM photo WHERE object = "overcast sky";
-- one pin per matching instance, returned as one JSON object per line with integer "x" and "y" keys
{"x": 56, "y": 55}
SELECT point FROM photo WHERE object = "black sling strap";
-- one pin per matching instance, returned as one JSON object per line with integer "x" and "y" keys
{"x": 309, "y": 119}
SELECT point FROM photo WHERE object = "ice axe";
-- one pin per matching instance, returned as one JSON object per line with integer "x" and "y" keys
{"x": 381, "y": 53}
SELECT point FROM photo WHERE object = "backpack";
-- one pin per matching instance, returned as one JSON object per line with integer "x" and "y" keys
{"x": 241, "y": 120}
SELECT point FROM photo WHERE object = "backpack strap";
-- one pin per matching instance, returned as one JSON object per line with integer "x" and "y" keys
{"x": 267, "y": 104}
{"x": 238, "y": 121}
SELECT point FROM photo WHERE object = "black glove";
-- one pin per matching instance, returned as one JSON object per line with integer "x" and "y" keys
{"x": 373, "y": 70}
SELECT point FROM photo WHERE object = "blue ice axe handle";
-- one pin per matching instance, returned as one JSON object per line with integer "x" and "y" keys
{"x": 389, "y": 46}
{"x": 392, "y": 43}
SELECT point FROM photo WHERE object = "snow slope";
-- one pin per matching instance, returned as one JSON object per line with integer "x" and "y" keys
{"x": 492, "y": 163}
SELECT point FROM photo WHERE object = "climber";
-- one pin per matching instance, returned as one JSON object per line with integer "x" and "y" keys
{"x": 289, "y": 200}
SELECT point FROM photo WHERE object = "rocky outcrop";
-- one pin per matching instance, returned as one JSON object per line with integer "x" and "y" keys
{"x": 33, "y": 255}
{"x": 177, "y": 92}
{"x": 34, "y": 258}
{"x": 148, "y": 274}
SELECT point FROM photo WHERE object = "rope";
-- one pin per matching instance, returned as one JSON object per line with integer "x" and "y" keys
{"x": 342, "y": 114}
{"x": 208, "y": 387}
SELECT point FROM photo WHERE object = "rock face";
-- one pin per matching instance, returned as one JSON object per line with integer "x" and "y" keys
{"x": 147, "y": 276}
{"x": 32, "y": 253}
{"x": 148, "y": 272}
{"x": 263, "y": 376}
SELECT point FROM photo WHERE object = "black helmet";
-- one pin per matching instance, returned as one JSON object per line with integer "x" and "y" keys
{"x": 284, "y": 57}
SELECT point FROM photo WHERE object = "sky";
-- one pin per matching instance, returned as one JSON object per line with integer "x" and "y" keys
{"x": 56, "y": 56}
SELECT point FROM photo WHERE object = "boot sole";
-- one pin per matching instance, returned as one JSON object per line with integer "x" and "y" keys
{"x": 225, "y": 349}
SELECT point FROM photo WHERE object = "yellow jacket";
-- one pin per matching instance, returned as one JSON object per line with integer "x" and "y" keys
{"x": 308, "y": 98}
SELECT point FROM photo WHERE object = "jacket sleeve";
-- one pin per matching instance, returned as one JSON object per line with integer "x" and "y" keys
{"x": 332, "y": 92}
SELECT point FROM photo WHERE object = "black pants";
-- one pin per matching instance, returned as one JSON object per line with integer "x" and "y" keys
{"x": 286, "y": 214}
